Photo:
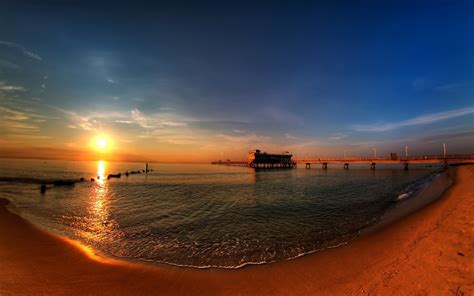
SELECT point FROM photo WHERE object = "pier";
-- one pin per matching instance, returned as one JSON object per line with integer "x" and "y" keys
{"x": 403, "y": 161}
{"x": 258, "y": 159}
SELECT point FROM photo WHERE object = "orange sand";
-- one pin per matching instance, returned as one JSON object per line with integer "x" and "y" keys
{"x": 430, "y": 252}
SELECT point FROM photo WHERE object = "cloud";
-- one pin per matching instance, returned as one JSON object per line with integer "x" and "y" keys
{"x": 17, "y": 121}
{"x": 92, "y": 121}
{"x": 31, "y": 136}
{"x": 337, "y": 136}
{"x": 238, "y": 131}
{"x": 138, "y": 100}
{"x": 244, "y": 139}
{"x": 289, "y": 136}
{"x": 12, "y": 88}
{"x": 450, "y": 86}
{"x": 419, "y": 120}
{"x": 84, "y": 122}
{"x": 18, "y": 125}
{"x": 156, "y": 121}
{"x": 9, "y": 65}
{"x": 5, "y": 87}
{"x": 10, "y": 114}
{"x": 23, "y": 50}
{"x": 140, "y": 118}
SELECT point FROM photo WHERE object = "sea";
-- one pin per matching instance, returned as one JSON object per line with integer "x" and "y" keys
{"x": 208, "y": 216}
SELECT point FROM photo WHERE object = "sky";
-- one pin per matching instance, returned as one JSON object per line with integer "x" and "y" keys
{"x": 202, "y": 81}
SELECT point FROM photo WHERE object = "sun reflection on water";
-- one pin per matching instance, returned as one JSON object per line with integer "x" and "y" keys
{"x": 100, "y": 172}
{"x": 99, "y": 206}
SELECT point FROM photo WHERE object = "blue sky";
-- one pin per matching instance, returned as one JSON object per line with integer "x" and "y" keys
{"x": 209, "y": 80}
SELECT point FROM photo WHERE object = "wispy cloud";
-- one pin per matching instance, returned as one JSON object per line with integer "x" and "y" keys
{"x": 5, "y": 87}
{"x": 419, "y": 120}
{"x": 157, "y": 120}
{"x": 78, "y": 120}
{"x": 124, "y": 121}
{"x": 14, "y": 120}
{"x": 337, "y": 136}
{"x": 23, "y": 50}
{"x": 450, "y": 86}
{"x": 12, "y": 88}
{"x": 140, "y": 119}
{"x": 289, "y": 136}
{"x": 9, "y": 65}
{"x": 244, "y": 139}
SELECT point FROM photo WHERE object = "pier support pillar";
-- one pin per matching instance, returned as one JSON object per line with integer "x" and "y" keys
{"x": 372, "y": 166}
{"x": 346, "y": 166}
{"x": 405, "y": 166}
{"x": 325, "y": 165}
{"x": 308, "y": 165}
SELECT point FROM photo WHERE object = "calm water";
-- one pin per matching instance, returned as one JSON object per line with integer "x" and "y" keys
{"x": 205, "y": 215}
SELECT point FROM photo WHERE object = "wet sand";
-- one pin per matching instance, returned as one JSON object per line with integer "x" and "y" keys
{"x": 430, "y": 252}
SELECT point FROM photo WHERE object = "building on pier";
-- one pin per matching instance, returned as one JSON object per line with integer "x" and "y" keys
{"x": 258, "y": 159}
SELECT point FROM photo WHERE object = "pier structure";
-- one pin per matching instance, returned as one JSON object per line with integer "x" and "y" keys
{"x": 258, "y": 159}
{"x": 403, "y": 161}
{"x": 262, "y": 160}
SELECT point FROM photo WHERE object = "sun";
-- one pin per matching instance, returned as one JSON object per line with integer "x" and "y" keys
{"x": 101, "y": 143}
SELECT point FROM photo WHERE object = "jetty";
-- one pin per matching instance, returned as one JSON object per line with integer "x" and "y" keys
{"x": 392, "y": 159}
{"x": 258, "y": 159}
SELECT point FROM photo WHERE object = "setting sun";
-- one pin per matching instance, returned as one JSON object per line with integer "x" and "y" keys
{"x": 101, "y": 143}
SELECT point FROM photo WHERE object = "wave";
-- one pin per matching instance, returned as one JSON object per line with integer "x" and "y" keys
{"x": 417, "y": 187}
{"x": 249, "y": 263}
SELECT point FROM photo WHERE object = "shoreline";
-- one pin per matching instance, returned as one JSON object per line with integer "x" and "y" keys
{"x": 396, "y": 259}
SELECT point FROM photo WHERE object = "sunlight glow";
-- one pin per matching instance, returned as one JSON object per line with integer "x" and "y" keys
{"x": 101, "y": 143}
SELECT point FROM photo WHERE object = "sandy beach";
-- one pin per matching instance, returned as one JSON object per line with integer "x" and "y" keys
{"x": 426, "y": 253}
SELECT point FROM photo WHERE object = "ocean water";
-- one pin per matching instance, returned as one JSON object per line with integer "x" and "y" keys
{"x": 207, "y": 215}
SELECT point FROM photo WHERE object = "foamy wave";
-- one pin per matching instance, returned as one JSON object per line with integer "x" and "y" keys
{"x": 417, "y": 187}
{"x": 250, "y": 263}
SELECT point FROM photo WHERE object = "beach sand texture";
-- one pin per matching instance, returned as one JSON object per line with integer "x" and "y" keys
{"x": 430, "y": 252}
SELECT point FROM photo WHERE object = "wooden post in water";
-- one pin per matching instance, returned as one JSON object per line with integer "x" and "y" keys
{"x": 146, "y": 169}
